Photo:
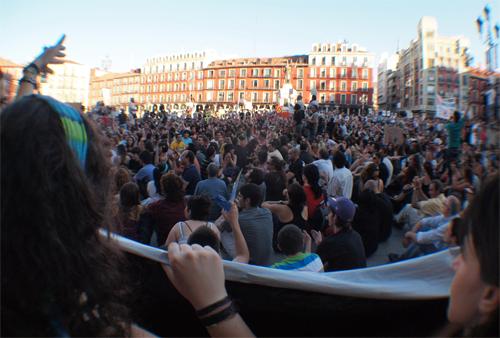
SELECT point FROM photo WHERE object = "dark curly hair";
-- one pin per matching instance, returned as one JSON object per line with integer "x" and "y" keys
{"x": 58, "y": 275}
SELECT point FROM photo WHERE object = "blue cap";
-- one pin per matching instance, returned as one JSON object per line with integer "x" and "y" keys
{"x": 343, "y": 208}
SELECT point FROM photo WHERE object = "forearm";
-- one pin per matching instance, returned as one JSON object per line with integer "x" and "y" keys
{"x": 242, "y": 253}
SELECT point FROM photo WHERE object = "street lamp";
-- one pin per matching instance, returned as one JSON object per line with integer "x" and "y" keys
{"x": 491, "y": 37}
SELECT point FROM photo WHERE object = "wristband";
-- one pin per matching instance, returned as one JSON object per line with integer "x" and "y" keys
{"x": 32, "y": 68}
{"x": 206, "y": 310}
{"x": 28, "y": 80}
{"x": 221, "y": 316}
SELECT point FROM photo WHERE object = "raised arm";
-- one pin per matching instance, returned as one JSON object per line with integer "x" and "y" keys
{"x": 50, "y": 55}
{"x": 242, "y": 253}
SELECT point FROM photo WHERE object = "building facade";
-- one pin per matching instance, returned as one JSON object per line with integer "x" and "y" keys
{"x": 341, "y": 75}
{"x": 69, "y": 83}
{"x": 114, "y": 89}
{"x": 385, "y": 70}
{"x": 10, "y": 73}
{"x": 430, "y": 67}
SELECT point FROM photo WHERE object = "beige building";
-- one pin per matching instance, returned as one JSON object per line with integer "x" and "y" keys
{"x": 430, "y": 66}
{"x": 69, "y": 83}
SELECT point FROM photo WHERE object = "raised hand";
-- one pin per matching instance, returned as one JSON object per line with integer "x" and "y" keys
{"x": 51, "y": 55}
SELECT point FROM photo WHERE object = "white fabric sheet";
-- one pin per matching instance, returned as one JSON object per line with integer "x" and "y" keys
{"x": 427, "y": 277}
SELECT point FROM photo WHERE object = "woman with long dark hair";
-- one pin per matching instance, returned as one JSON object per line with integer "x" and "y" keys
{"x": 59, "y": 276}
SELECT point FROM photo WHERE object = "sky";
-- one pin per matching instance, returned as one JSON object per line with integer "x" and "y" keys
{"x": 129, "y": 31}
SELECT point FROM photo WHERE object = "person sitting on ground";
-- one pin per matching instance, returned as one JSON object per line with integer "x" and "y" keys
{"x": 342, "y": 248}
{"x": 128, "y": 211}
{"x": 190, "y": 175}
{"x": 205, "y": 235}
{"x": 293, "y": 211}
{"x": 275, "y": 179}
{"x": 296, "y": 245}
{"x": 325, "y": 167}
{"x": 146, "y": 172}
{"x": 427, "y": 235}
{"x": 384, "y": 208}
{"x": 162, "y": 215}
{"x": 153, "y": 189}
{"x": 367, "y": 220}
{"x": 196, "y": 215}
{"x": 422, "y": 207}
{"x": 256, "y": 224}
{"x": 314, "y": 196}
{"x": 342, "y": 180}
{"x": 212, "y": 187}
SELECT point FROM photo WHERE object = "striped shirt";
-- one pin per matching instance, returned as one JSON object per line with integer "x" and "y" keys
{"x": 301, "y": 262}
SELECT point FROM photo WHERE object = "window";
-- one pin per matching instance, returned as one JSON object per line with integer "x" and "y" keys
{"x": 230, "y": 84}
{"x": 222, "y": 84}
{"x": 354, "y": 86}
{"x": 322, "y": 98}
{"x": 222, "y": 73}
{"x": 332, "y": 85}
{"x": 277, "y": 73}
{"x": 255, "y": 72}
{"x": 333, "y": 60}
{"x": 354, "y": 99}
{"x": 210, "y": 84}
{"x": 185, "y": 66}
{"x": 242, "y": 84}
{"x": 192, "y": 65}
{"x": 162, "y": 77}
{"x": 354, "y": 73}
{"x": 276, "y": 84}
{"x": 344, "y": 60}
{"x": 342, "y": 99}
{"x": 232, "y": 73}
{"x": 313, "y": 61}
{"x": 255, "y": 83}
{"x": 254, "y": 96}
{"x": 322, "y": 72}
{"x": 266, "y": 83}
{"x": 300, "y": 84}
{"x": 210, "y": 73}
{"x": 184, "y": 76}
{"x": 323, "y": 61}
{"x": 191, "y": 75}
{"x": 183, "y": 86}
{"x": 243, "y": 72}
{"x": 322, "y": 85}
{"x": 343, "y": 72}
{"x": 343, "y": 86}
{"x": 312, "y": 72}
{"x": 354, "y": 59}
{"x": 169, "y": 77}
{"x": 267, "y": 72}
{"x": 312, "y": 84}
{"x": 169, "y": 87}
{"x": 200, "y": 85}
{"x": 333, "y": 72}
{"x": 300, "y": 73}
{"x": 209, "y": 96}
{"x": 365, "y": 73}
{"x": 200, "y": 75}
{"x": 220, "y": 97}
{"x": 332, "y": 98}
{"x": 266, "y": 97}
{"x": 171, "y": 67}
{"x": 242, "y": 95}
{"x": 365, "y": 60}
{"x": 230, "y": 96}
{"x": 365, "y": 86}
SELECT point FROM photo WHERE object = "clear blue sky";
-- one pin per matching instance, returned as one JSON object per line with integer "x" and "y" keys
{"x": 130, "y": 31}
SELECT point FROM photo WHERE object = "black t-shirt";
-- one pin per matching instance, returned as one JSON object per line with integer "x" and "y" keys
{"x": 306, "y": 157}
{"x": 242, "y": 154}
{"x": 342, "y": 251}
{"x": 275, "y": 184}
{"x": 297, "y": 168}
{"x": 385, "y": 209}
{"x": 298, "y": 116}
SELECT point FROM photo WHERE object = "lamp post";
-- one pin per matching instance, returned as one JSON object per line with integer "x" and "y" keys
{"x": 490, "y": 37}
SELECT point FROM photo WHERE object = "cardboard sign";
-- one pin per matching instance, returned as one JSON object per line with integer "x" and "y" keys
{"x": 393, "y": 135}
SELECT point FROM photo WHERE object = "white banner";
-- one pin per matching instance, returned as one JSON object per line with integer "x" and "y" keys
{"x": 444, "y": 107}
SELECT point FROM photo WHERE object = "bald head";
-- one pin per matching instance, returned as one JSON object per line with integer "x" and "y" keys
{"x": 371, "y": 185}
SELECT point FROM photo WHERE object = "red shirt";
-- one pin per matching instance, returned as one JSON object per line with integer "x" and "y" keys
{"x": 164, "y": 216}
{"x": 312, "y": 201}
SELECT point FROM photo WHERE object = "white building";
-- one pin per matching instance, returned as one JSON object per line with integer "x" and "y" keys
{"x": 69, "y": 83}
{"x": 387, "y": 65}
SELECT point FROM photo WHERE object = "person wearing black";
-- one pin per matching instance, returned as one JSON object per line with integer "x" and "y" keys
{"x": 295, "y": 167}
{"x": 384, "y": 171}
{"x": 241, "y": 151}
{"x": 305, "y": 155}
{"x": 343, "y": 248}
{"x": 275, "y": 180}
{"x": 298, "y": 117}
{"x": 367, "y": 221}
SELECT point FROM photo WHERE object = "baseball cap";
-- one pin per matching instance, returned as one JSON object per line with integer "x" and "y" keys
{"x": 343, "y": 208}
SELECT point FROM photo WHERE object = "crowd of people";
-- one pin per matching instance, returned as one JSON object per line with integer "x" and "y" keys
{"x": 318, "y": 191}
